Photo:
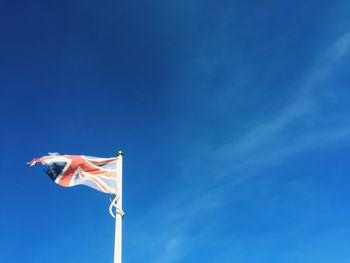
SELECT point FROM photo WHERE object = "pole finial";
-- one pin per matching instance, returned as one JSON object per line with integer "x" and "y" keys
{"x": 120, "y": 153}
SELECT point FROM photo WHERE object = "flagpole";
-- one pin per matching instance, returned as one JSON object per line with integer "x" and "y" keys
{"x": 118, "y": 215}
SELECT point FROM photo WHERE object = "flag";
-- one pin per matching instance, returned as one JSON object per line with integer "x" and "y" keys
{"x": 71, "y": 170}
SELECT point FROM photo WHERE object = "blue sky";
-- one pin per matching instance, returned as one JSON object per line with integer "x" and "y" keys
{"x": 233, "y": 116}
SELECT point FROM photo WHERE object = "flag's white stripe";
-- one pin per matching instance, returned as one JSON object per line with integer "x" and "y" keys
{"x": 110, "y": 166}
{"x": 91, "y": 183}
{"x": 86, "y": 178}
{"x": 102, "y": 182}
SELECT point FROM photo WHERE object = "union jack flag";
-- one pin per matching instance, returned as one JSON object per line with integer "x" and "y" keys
{"x": 71, "y": 170}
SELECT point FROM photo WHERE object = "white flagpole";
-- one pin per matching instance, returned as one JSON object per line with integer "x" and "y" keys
{"x": 118, "y": 215}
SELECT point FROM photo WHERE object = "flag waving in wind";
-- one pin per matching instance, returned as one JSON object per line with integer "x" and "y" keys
{"x": 71, "y": 170}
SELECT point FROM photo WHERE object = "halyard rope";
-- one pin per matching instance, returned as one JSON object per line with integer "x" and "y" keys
{"x": 114, "y": 203}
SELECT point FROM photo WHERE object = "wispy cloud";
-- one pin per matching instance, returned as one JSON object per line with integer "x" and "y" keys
{"x": 342, "y": 46}
{"x": 295, "y": 127}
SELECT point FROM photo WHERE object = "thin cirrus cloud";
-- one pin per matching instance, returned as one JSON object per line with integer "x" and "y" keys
{"x": 296, "y": 127}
